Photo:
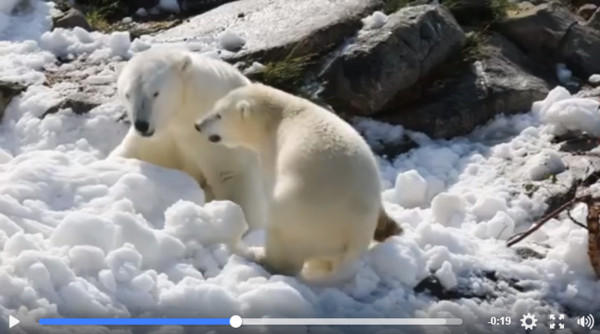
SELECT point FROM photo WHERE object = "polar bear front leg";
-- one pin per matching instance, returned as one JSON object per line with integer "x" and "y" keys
{"x": 246, "y": 190}
{"x": 280, "y": 257}
{"x": 126, "y": 149}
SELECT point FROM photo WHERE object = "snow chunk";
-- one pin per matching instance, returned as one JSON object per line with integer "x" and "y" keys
{"x": 375, "y": 21}
{"x": 256, "y": 67}
{"x": 125, "y": 263}
{"x": 85, "y": 229}
{"x": 563, "y": 74}
{"x": 230, "y": 41}
{"x": 409, "y": 263}
{"x": 448, "y": 209}
{"x": 446, "y": 276}
{"x": 594, "y": 79}
{"x": 410, "y": 190}
{"x": 545, "y": 164}
{"x": 141, "y": 12}
{"x": 487, "y": 207}
{"x": 570, "y": 113}
{"x": 284, "y": 302}
{"x": 501, "y": 227}
{"x": 216, "y": 222}
{"x": 194, "y": 298}
{"x": 120, "y": 43}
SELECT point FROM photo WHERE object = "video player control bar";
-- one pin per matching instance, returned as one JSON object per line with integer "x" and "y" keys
{"x": 237, "y": 321}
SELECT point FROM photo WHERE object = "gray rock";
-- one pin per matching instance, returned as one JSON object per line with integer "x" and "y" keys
{"x": 275, "y": 28}
{"x": 78, "y": 103}
{"x": 382, "y": 64}
{"x": 540, "y": 30}
{"x": 467, "y": 12}
{"x": 8, "y": 90}
{"x": 553, "y": 34}
{"x": 70, "y": 19}
{"x": 499, "y": 83}
{"x": 199, "y": 6}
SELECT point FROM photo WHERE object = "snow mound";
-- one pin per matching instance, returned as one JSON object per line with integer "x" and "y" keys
{"x": 375, "y": 21}
{"x": 231, "y": 41}
{"x": 566, "y": 113}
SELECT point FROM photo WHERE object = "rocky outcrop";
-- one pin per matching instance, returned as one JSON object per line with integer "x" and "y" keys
{"x": 382, "y": 64}
{"x": 274, "y": 29}
{"x": 70, "y": 19}
{"x": 499, "y": 83}
{"x": 78, "y": 103}
{"x": 553, "y": 34}
{"x": 8, "y": 90}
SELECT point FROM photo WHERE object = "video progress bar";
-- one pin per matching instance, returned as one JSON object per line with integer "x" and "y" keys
{"x": 237, "y": 321}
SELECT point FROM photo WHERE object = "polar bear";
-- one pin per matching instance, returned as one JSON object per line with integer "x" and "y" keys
{"x": 324, "y": 191}
{"x": 164, "y": 92}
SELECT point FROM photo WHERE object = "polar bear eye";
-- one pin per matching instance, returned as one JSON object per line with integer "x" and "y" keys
{"x": 219, "y": 116}
{"x": 155, "y": 94}
{"x": 127, "y": 95}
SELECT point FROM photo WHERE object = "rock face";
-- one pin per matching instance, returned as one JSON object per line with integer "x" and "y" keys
{"x": 8, "y": 90}
{"x": 470, "y": 11}
{"x": 274, "y": 28}
{"x": 78, "y": 103}
{"x": 552, "y": 33}
{"x": 498, "y": 83}
{"x": 70, "y": 19}
{"x": 383, "y": 63}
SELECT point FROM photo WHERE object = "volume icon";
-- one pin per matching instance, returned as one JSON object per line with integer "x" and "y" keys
{"x": 586, "y": 321}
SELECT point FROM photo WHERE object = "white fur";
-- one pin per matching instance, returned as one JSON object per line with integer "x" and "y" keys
{"x": 170, "y": 89}
{"x": 324, "y": 187}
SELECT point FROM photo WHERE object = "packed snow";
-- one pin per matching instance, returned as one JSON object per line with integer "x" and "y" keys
{"x": 82, "y": 236}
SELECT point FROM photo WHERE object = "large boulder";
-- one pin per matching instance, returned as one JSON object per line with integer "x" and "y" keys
{"x": 470, "y": 11}
{"x": 381, "y": 64}
{"x": 273, "y": 29}
{"x": 70, "y": 19}
{"x": 499, "y": 83}
{"x": 554, "y": 34}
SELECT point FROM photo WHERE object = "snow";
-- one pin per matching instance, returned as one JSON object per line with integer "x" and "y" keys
{"x": 84, "y": 236}
{"x": 141, "y": 12}
{"x": 569, "y": 114}
{"x": 594, "y": 79}
{"x": 563, "y": 74}
{"x": 256, "y": 67}
{"x": 231, "y": 41}
{"x": 375, "y": 21}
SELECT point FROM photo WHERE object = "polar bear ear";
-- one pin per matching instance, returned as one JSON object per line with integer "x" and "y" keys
{"x": 244, "y": 108}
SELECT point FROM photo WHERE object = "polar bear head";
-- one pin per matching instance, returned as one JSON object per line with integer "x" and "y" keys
{"x": 151, "y": 86}
{"x": 245, "y": 117}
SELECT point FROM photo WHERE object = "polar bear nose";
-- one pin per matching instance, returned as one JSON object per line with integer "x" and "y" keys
{"x": 142, "y": 126}
{"x": 214, "y": 138}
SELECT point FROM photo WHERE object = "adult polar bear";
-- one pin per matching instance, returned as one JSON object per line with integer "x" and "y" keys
{"x": 164, "y": 92}
{"x": 325, "y": 203}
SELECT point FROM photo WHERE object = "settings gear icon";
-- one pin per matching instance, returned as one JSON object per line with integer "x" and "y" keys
{"x": 528, "y": 321}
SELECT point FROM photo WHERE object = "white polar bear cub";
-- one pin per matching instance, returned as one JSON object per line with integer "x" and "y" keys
{"x": 164, "y": 92}
{"x": 324, "y": 190}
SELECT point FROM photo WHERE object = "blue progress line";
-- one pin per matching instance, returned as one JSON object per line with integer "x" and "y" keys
{"x": 133, "y": 321}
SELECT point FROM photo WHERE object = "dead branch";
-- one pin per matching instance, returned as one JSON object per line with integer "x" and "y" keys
{"x": 520, "y": 236}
